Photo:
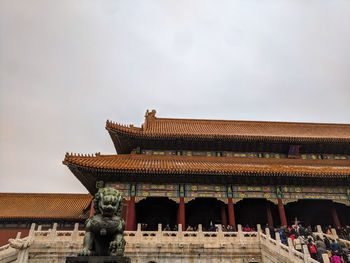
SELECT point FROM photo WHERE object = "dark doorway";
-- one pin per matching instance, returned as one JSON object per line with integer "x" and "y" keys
{"x": 343, "y": 212}
{"x": 252, "y": 211}
{"x": 156, "y": 210}
{"x": 310, "y": 212}
{"x": 205, "y": 211}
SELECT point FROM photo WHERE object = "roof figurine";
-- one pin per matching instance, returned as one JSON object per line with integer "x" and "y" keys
{"x": 149, "y": 116}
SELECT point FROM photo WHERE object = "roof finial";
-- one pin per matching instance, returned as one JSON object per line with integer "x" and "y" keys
{"x": 151, "y": 114}
{"x": 148, "y": 117}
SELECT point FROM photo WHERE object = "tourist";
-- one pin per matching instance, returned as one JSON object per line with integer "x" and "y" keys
{"x": 167, "y": 228}
{"x": 292, "y": 237}
{"x": 230, "y": 228}
{"x": 283, "y": 235}
{"x": 328, "y": 230}
{"x": 335, "y": 248}
{"x": 291, "y": 231}
{"x": 308, "y": 232}
{"x": 211, "y": 228}
{"x": 320, "y": 252}
{"x": 297, "y": 244}
{"x": 320, "y": 244}
{"x": 246, "y": 228}
{"x": 189, "y": 228}
{"x": 175, "y": 228}
{"x": 341, "y": 232}
{"x": 336, "y": 259}
{"x": 312, "y": 249}
{"x": 224, "y": 228}
{"x": 301, "y": 230}
{"x": 143, "y": 227}
{"x": 327, "y": 242}
{"x": 272, "y": 231}
{"x": 346, "y": 254}
{"x": 302, "y": 241}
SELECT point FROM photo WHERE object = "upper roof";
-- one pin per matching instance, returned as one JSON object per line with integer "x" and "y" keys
{"x": 43, "y": 206}
{"x": 292, "y": 132}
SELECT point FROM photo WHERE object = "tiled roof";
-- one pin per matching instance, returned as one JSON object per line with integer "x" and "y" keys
{"x": 211, "y": 165}
{"x": 195, "y": 128}
{"x": 43, "y": 206}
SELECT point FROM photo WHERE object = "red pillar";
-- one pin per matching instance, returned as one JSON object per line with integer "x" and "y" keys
{"x": 223, "y": 215}
{"x": 92, "y": 209}
{"x": 269, "y": 214}
{"x": 124, "y": 209}
{"x": 231, "y": 214}
{"x": 281, "y": 212}
{"x": 181, "y": 213}
{"x": 130, "y": 217}
{"x": 335, "y": 217}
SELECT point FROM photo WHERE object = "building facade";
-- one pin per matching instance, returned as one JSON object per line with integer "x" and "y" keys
{"x": 209, "y": 172}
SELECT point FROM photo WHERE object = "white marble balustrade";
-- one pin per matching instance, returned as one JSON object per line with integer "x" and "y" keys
{"x": 236, "y": 246}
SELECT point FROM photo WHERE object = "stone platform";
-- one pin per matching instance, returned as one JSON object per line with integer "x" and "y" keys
{"x": 98, "y": 259}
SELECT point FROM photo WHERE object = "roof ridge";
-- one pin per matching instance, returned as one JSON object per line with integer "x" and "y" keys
{"x": 253, "y": 122}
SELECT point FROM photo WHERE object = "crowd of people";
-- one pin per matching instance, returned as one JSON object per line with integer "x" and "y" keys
{"x": 343, "y": 232}
{"x": 336, "y": 250}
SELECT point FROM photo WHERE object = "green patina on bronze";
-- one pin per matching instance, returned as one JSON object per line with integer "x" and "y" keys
{"x": 104, "y": 230}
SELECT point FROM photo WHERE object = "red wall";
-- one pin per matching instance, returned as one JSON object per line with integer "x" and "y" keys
{"x": 6, "y": 234}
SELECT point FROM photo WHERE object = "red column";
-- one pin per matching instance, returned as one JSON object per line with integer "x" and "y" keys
{"x": 335, "y": 217}
{"x": 282, "y": 213}
{"x": 92, "y": 209}
{"x": 181, "y": 213}
{"x": 231, "y": 214}
{"x": 124, "y": 209}
{"x": 130, "y": 217}
{"x": 223, "y": 215}
{"x": 269, "y": 214}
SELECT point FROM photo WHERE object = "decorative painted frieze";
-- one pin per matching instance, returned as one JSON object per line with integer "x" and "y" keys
{"x": 222, "y": 192}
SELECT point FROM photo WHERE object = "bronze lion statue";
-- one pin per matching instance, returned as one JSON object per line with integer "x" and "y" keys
{"x": 104, "y": 230}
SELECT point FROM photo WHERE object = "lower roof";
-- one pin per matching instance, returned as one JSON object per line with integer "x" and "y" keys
{"x": 44, "y": 206}
{"x": 210, "y": 165}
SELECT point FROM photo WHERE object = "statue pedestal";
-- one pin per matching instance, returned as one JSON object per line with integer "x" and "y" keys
{"x": 98, "y": 259}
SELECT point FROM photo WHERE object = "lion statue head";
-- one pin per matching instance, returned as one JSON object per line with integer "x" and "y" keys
{"x": 108, "y": 202}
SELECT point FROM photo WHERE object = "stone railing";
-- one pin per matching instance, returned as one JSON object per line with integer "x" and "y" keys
{"x": 139, "y": 243}
{"x": 286, "y": 251}
{"x": 334, "y": 235}
{"x": 17, "y": 249}
{"x": 190, "y": 237}
{"x": 7, "y": 254}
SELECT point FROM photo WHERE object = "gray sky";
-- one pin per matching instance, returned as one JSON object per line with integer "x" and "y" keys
{"x": 68, "y": 66}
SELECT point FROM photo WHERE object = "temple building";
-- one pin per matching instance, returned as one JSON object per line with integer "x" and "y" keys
{"x": 209, "y": 172}
{"x": 19, "y": 210}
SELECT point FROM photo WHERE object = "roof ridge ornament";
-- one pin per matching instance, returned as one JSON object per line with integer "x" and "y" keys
{"x": 149, "y": 116}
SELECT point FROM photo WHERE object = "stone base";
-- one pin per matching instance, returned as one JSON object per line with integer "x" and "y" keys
{"x": 98, "y": 259}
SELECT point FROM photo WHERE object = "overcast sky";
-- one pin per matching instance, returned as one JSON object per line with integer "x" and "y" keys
{"x": 67, "y": 66}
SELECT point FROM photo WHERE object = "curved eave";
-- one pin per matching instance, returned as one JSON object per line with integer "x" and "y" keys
{"x": 178, "y": 165}
{"x": 213, "y": 172}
